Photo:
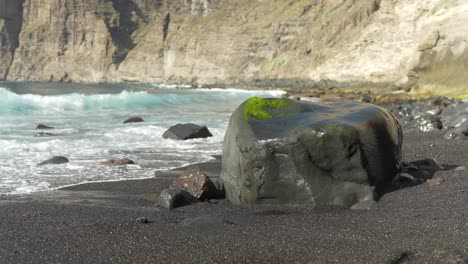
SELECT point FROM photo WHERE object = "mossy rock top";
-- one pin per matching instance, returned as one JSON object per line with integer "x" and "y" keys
{"x": 276, "y": 117}
{"x": 260, "y": 108}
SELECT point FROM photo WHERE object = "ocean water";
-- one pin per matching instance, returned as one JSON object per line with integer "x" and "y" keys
{"x": 88, "y": 127}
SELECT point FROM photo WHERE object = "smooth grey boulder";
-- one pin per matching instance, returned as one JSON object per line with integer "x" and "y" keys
{"x": 54, "y": 160}
{"x": 283, "y": 151}
{"x": 175, "y": 197}
{"x": 187, "y": 131}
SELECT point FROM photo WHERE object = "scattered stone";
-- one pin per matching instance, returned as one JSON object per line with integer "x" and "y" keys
{"x": 283, "y": 151}
{"x": 460, "y": 168}
{"x": 135, "y": 119}
{"x": 41, "y": 126}
{"x": 197, "y": 183}
{"x": 142, "y": 220}
{"x": 175, "y": 197}
{"x": 187, "y": 131}
{"x": 119, "y": 162}
{"x": 434, "y": 182}
{"x": 204, "y": 221}
{"x": 54, "y": 160}
{"x": 427, "y": 164}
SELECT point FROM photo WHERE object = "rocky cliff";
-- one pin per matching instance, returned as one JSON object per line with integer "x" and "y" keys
{"x": 418, "y": 44}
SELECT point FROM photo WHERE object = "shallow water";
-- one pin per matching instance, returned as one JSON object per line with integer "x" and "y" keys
{"x": 89, "y": 130}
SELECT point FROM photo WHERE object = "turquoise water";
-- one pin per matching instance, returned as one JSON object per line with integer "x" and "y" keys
{"x": 88, "y": 130}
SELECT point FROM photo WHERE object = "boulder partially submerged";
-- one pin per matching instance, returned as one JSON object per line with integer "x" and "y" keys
{"x": 55, "y": 160}
{"x": 284, "y": 151}
{"x": 135, "y": 119}
{"x": 187, "y": 131}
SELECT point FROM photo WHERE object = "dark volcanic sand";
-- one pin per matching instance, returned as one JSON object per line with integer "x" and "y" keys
{"x": 96, "y": 223}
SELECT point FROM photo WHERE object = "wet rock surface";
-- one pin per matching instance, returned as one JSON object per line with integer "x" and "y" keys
{"x": 444, "y": 115}
{"x": 175, "y": 197}
{"x": 279, "y": 150}
{"x": 54, "y": 161}
{"x": 187, "y": 131}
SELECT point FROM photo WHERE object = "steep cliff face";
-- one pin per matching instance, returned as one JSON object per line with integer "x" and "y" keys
{"x": 11, "y": 21}
{"x": 413, "y": 44}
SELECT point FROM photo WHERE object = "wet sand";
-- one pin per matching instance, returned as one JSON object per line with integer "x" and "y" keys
{"x": 96, "y": 223}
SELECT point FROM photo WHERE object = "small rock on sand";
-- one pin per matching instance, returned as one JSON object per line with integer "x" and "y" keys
{"x": 197, "y": 183}
{"x": 434, "y": 182}
{"x": 175, "y": 197}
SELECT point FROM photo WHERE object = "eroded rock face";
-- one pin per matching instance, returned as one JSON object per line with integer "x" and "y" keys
{"x": 212, "y": 41}
{"x": 282, "y": 151}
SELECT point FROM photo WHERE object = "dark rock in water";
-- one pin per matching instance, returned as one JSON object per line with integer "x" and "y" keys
{"x": 197, "y": 183}
{"x": 118, "y": 162}
{"x": 175, "y": 197}
{"x": 41, "y": 126}
{"x": 203, "y": 222}
{"x": 187, "y": 131}
{"x": 54, "y": 160}
{"x": 44, "y": 134}
{"x": 135, "y": 119}
{"x": 279, "y": 150}
{"x": 427, "y": 164}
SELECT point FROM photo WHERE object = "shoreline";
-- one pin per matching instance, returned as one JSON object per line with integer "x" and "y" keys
{"x": 97, "y": 222}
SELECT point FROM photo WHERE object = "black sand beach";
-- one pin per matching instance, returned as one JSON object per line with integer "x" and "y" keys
{"x": 96, "y": 223}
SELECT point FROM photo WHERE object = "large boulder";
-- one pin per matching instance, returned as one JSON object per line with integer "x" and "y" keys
{"x": 187, "y": 131}
{"x": 283, "y": 151}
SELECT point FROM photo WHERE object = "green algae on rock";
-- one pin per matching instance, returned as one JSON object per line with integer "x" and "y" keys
{"x": 343, "y": 153}
{"x": 257, "y": 107}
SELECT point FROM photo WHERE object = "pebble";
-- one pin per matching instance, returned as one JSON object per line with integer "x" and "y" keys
{"x": 434, "y": 182}
{"x": 142, "y": 220}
